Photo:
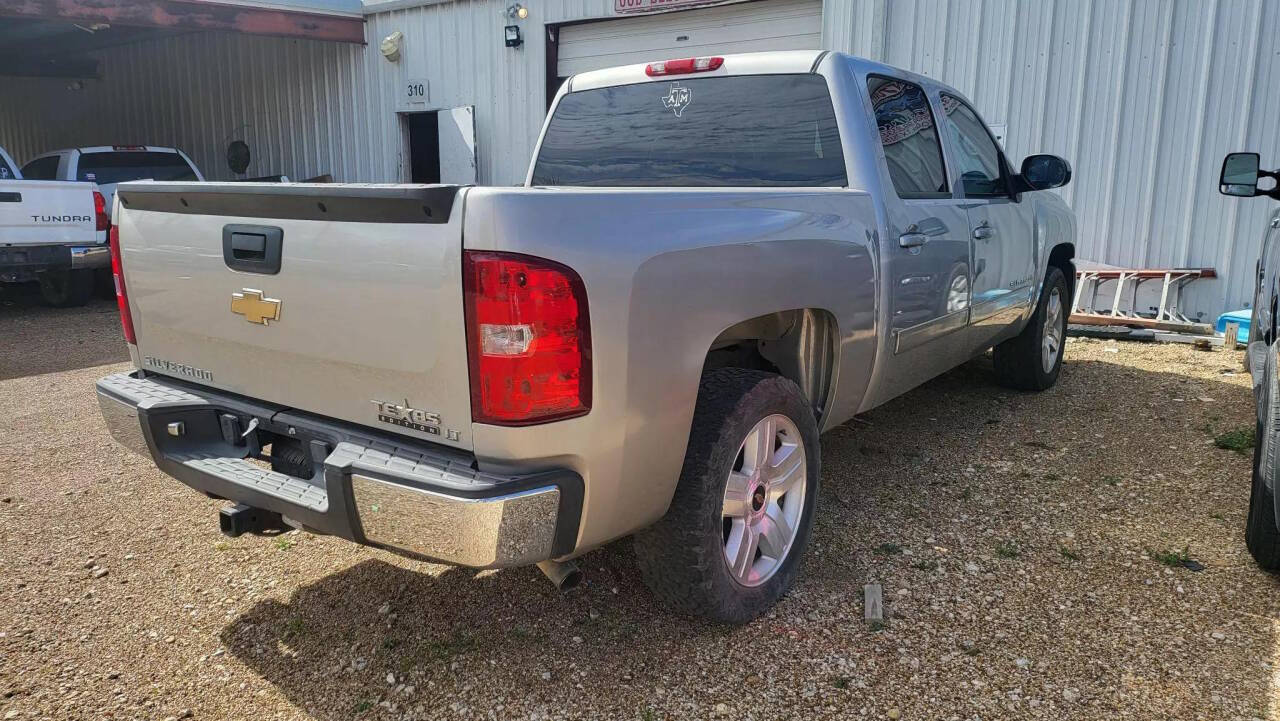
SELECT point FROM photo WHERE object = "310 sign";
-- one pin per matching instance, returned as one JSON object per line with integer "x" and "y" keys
{"x": 415, "y": 91}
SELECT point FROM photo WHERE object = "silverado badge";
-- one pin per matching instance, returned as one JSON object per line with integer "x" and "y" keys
{"x": 254, "y": 307}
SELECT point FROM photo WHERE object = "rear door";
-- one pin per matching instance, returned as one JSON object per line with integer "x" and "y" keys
{"x": 458, "y": 145}
{"x": 927, "y": 264}
{"x": 1003, "y": 247}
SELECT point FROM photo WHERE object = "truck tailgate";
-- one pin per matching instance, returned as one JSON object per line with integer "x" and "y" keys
{"x": 47, "y": 212}
{"x": 362, "y": 321}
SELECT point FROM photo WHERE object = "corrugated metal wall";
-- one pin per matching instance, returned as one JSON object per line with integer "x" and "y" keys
{"x": 291, "y": 100}
{"x": 1144, "y": 97}
{"x": 304, "y": 107}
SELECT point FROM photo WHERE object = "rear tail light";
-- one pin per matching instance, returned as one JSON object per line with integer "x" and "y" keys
{"x": 683, "y": 66}
{"x": 100, "y": 211}
{"x": 122, "y": 296}
{"x": 528, "y": 339}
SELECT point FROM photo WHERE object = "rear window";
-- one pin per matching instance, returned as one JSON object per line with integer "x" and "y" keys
{"x": 120, "y": 167}
{"x": 751, "y": 130}
{"x": 6, "y": 173}
{"x": 45, "y": 168}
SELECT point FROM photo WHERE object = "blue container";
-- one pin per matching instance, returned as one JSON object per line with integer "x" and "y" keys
{"x": 1236, "y": 316}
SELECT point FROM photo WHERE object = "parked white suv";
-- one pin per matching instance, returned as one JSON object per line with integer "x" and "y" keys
{"x": 108, "y": 165}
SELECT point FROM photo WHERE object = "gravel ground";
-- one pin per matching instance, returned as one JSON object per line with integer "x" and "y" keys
{"x": 1014, "y": 535}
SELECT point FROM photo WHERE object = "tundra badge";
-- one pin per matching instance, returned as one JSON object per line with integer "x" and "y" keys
{"x": 254, "y": 307}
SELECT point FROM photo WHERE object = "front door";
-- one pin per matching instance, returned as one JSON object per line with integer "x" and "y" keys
{"x": 926, "y": 256}
{"x": 1003, "y": 238}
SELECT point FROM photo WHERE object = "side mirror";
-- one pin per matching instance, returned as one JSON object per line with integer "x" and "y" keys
{"x": 1239, "y": 175}
{"x": 1042, "y": 172}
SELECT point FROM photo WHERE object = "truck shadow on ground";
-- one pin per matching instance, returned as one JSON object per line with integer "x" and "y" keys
{"x": 1068, "y": 479}
{"x": 39, "y": 339}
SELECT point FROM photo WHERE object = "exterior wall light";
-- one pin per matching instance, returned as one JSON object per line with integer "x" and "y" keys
{"x": 512, "y": 35}
{"x": 390, "y": 46}
{"x": 517, "y": 11}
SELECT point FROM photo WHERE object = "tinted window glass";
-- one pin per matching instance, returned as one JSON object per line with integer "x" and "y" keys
{"x": 975, "y": 152}
{"x": 909, "y": 136}
{"x": 41, "y": 169}
{"x": 109, "y": 168}
{"x": 751, "y": 130}
{"x": 6, "y": 172}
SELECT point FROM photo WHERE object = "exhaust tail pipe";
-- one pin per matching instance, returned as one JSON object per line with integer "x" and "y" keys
{"x": 564, "y": 575}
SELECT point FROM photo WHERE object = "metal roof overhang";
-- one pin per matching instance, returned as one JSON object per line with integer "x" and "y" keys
{"x": 52, "y": 38}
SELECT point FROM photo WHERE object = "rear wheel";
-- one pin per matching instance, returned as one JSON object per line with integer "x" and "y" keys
{"x": 1032, "y": 360}
{"x": 730, "y": 544}
{"x": 1261, "y": 534}
{"x": 66, "y": 288}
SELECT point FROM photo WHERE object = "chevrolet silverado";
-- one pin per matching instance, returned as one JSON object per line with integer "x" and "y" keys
{"x": 712, "y": 260}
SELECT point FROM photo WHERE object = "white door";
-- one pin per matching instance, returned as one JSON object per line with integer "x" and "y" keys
{"x": 458, "y": 145}
{"x": 739, "y": 28}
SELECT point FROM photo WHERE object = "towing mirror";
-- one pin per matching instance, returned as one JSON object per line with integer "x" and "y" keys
{"x": 1042, "y": 172}
{"x": 1239, "y": 175}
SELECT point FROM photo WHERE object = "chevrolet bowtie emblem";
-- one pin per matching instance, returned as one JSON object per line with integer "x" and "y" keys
{"x": 255, "y": 308}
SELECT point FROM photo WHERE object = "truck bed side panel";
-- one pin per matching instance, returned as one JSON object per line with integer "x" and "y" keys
{"x": 666, "y": 271}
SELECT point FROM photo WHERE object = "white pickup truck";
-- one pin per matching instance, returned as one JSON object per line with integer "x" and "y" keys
{"x": 54, "y": 232}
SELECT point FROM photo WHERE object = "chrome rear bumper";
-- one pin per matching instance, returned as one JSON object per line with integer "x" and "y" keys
{"x": 90, "y": 256}
{"x": 396, "y": 493}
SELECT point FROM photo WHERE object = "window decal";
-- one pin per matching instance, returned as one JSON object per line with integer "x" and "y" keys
{"x": 676, "y": 99}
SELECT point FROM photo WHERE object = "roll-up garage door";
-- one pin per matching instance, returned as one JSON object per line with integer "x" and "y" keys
{"x": 739, "y": 28}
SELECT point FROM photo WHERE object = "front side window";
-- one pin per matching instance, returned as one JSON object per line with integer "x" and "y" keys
{"x": 909, "y": 136}
{"x": 123, "y": 166}
{"x": 975, "y": 152}
{"x": 743, "y": 131}
{"x": 45, "y": 168}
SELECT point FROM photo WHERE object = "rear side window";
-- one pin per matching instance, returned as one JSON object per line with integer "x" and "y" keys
{"x": 909, "y": 135}
{"x": 975, "y": 152}
{"x": 41, "y": 169}
{"x": 750, "y": 130}
{"x": 120, "y": 167}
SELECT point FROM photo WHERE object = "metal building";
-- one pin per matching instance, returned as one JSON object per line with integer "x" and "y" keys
{"x": 1144, "y": 97}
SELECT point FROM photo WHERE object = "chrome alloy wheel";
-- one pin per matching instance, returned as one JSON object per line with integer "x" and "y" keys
{"x": 764, "y": 500}
{"x": 1054, "y": 330}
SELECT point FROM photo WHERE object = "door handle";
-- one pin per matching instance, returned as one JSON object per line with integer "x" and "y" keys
{"x": 1275, "y": 222}
{"x": 252, "y": 248}
{"x": 912, "y": 240}
{"x": 983, "y": 232}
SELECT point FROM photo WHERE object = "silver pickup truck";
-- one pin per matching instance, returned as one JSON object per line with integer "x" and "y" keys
{"x": 712, "y": 261}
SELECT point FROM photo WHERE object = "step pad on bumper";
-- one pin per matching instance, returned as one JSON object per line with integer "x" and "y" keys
{"x": 406, "y": 496}
{"x": 247, "y": 474}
